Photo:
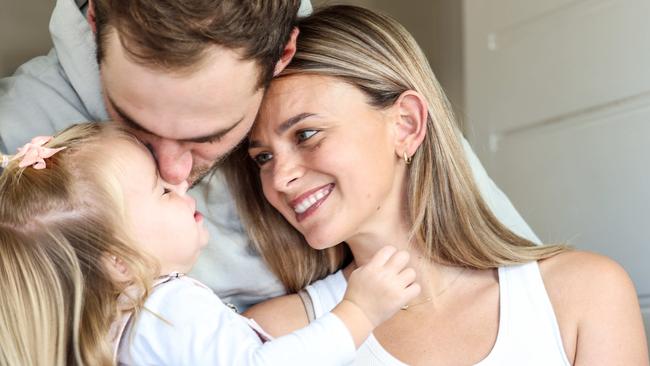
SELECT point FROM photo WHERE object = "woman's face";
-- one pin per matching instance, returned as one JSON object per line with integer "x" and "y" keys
{"x": 165, "y": 223}
{"x": 327, "y": 159}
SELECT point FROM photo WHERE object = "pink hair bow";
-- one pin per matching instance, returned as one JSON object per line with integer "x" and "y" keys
{"x": 34, "y": 154}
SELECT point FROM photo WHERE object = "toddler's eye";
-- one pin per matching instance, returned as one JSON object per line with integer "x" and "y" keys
{"x": 166, "y": 190}
{"x": 262, "y": 158}
{"x": 305, "y": 135}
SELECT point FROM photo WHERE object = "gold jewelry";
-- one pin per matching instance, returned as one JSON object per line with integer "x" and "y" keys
{"x": 407, "y": 159}
{"x": 406, "y": 307}
{"x": 430, "y": 298}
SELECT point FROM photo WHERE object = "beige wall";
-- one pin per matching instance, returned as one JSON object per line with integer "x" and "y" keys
{"x": 23, "y": 31}
{"x": 437, "y": 26}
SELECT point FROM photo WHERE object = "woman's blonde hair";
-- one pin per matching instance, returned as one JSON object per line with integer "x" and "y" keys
{"x": 450, "y": 221}
{"x": 58, "y": 228}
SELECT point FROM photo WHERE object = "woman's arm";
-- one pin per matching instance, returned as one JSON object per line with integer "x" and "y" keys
{"x": 279, "y": 316}
{"x": 597, "y": 308}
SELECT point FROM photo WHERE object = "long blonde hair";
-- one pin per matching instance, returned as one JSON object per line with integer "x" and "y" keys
{"x": 58, "y": 226}
{"x": 450, "y": 221}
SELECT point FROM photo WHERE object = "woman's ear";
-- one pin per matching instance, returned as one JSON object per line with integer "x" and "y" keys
{"x": 411, "y": 124}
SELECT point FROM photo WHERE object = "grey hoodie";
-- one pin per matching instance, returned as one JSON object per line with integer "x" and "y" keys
{"x": 51, "y": 92}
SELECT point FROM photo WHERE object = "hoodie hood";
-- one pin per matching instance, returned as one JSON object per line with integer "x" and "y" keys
{"x": 74, "y": 44}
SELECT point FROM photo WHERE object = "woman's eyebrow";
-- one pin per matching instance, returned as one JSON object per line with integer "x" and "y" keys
{"x": 283, "y": 127}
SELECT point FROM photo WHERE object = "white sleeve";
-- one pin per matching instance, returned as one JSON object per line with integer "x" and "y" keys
{"x": 200, "y": 330}
{"x": 496, "y": 199}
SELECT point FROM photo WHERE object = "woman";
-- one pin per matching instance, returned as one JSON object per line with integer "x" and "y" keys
{"x": 355, "y": 148}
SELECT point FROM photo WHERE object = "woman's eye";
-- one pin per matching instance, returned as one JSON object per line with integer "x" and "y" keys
{"x": 262, "y": 158}
{"x": 305, "y": 135}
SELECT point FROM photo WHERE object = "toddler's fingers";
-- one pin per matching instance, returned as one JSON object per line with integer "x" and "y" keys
{"x": 398, "y": 261}
{"x": 411, "y": 292}
{"x": 382, "y": 256}
{"x": 406, "y": 277}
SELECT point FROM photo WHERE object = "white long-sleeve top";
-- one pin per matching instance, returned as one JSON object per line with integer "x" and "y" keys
{"x": 185, "y": 323}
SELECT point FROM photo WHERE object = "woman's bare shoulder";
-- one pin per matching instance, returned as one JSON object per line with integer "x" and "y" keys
{"x": 279, "y": 316}
{"x": 596, "y": 307}
{"x": 584, "y": 276}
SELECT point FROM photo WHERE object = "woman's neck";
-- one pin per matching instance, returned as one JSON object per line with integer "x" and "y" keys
{"x": 431, "y": 276}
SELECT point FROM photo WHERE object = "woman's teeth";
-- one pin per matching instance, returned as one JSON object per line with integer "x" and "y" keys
{"x": 309, "y": 201}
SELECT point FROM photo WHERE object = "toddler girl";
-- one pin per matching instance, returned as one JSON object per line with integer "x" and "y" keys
{"x": 93, "y": 248}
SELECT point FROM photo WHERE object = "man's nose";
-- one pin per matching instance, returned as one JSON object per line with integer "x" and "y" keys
{"x": 174, "y": 160}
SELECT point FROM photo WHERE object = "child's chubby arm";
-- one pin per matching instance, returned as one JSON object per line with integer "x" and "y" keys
{"x": 185, "y": 324}
{"x": 375, "y": 292}
{"x": 198, "y": 329}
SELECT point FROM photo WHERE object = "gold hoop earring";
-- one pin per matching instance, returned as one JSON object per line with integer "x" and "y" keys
{"x": 407, "y": 159}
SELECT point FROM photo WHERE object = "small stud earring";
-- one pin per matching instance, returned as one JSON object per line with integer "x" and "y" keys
{"x": 407, "y": 159}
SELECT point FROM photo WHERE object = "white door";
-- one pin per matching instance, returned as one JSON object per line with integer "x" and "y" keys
{"x": 557, "y": 95}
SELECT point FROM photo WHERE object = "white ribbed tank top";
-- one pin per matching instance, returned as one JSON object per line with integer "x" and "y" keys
{"x": 528, "y": 330}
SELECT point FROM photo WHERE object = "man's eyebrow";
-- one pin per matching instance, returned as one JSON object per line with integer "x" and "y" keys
{"x": 283, "y": 127}
{"x": 130, "y": 122}
{"x": 127, "y": 119}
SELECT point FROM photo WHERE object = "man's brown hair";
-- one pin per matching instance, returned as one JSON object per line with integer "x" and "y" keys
{"x": 174, "y": 35}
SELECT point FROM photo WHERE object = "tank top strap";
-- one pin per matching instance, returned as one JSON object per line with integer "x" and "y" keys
{"x": 528, "y": 329}
{"x": 327, "y": 293}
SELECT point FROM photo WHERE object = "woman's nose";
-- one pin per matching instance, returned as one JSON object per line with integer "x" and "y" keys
{"x": 286, "y": 171}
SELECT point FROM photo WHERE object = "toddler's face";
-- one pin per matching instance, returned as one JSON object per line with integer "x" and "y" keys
{"x": 163, "y": 217}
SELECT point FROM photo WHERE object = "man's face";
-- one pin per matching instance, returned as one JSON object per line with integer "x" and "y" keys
{"x": 188, "y": 120}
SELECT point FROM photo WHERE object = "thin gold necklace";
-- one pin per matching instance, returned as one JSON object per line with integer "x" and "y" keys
{"x": 428, "y": 299}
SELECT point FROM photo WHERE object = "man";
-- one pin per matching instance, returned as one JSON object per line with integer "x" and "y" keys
{"x": 188, "y": 79}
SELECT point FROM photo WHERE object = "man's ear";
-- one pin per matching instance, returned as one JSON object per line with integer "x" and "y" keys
{"x": 411, "y": 125}
{"x": 287, "y": 54}
{"x": 90, "y": 16}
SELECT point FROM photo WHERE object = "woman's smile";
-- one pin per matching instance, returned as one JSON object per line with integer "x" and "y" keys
{"x": 307, "y": 203}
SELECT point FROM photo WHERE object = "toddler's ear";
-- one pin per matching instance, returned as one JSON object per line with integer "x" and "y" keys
{"x": 116, "y": 268}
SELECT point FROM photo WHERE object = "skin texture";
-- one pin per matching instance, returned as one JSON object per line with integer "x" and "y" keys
{"x": 592, "y": 296}
{"x": 162, "y": 214}
{"x": 188, "y": 120}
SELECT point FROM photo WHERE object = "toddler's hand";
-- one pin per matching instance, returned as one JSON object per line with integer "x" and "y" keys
{"x": 381, "y": 287}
